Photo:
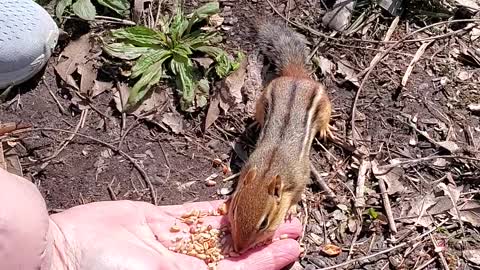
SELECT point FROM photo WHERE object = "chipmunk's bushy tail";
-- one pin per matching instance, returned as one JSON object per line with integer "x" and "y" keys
{"x": 285, "y": 47}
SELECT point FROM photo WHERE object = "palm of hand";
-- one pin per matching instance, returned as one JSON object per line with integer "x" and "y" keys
{"x": 135, "y": 235}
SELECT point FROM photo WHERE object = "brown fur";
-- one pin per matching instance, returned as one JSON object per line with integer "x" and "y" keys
{"x": 276, "y": 173}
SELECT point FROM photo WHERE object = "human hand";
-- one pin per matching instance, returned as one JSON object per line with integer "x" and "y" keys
{"x": 135, "y": 235}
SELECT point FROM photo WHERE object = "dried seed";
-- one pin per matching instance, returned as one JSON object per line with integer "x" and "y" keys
{"x": 187, "y": 214}
{"x": 212, "y": 266}
{"x": 220, "y": 257}
{"x": 174, "y": 229}
{"x": 206, "y": 235}
{"x": 205, "y": 245}
{"x": 210, "y": 183}
{"x": 217, "y": 162}
{"x": 201, "y": 256}
{"x": 226, "y": 169}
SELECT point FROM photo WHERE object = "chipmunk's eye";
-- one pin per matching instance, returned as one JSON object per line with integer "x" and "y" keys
{"x": 264, "y": 224}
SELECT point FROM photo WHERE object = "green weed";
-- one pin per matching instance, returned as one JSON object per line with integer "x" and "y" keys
{"x": 168, "y": 53}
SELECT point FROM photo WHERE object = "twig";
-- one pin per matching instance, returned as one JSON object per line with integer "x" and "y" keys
{"x": 231, "y": 177}
{"x": 415, "y": 59}
{"x": 115, "y": 20}
{"x": 122, "y": 139}
{"x": 386, "y": 250}
{"x": 54, "y": 97}
{"x": 426, "y": 264}
{"x": 386, "y": 205}
{"x": 164, "y": 155}
{"x": 440, "y": 254}
{"x": 360, "y": 189}
{"x": 65, "y": 142}
{"x": 330, "y": 194}
{"x": 113, "y": 148}
{"x": 110, "y": 190}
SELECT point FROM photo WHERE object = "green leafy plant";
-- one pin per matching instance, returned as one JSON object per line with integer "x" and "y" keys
{"x": 168, "y": 53}
{"x": 87, "y": 11}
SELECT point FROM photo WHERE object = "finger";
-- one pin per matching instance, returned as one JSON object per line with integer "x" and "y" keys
{"x": 274, "y": 256}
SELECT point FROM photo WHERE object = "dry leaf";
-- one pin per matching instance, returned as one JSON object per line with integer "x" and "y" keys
{"x": 76, "y": 53}
{"x": 347, "y": 72}
{"x": 213, "y": 111}
{"x": 205, "y": 62}
{"x": 451, "y": 191}
{"x": 121, "y": 97}
{"x": 449, "y": 146}
{"x": 215, "y": 20}
{"x": 472, "y": 4}
{"x": 174, "y": 121}
{"x": 419, "y": 208}
{"x": 89, "y": 74}
{"x": 233, "y": 85}
{"x": 153, "y": 101}
{"x": 470, "y": 213}
{"x": 229, "y": 95}
{"x": 327, "y": 66}
{"x": 390, "y": 176}
{"x": 138, "y": 8}
{"x": 472, "y": 255}
{"x": 99, "y": 87}
{"x": 338, "y": 18}
{"x": 331, "y": 250}
{"x": 183, "y": 187}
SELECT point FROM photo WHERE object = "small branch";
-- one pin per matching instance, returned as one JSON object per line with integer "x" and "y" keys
{"x": 231, "y": 177}
{"x": 415, "y": 59}
{"x": 386, "y": 205}
{"x": 62, "y": 110}
{"x": 330, "y": 194}
{"x": 110, "y": 190}
{"x": 440, "y": 254}
{"x": 360, "y": 189}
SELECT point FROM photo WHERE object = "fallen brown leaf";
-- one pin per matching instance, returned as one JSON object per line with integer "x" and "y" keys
{"x": 121, "y": 97}
{"x": 391, "y": 177}
{"x": 331, "y": 250}
{"x": 99, "y": 87}
{"x": 151, "y": 103}
{"x": 472, "y": 255}
{"x": 76, "y": 53}
{"x": 89, "y": 74}
{"x": 174, "y": 121}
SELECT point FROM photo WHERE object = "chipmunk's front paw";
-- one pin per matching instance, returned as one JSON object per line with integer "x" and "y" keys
{"x": 292, "y": 211}
{"x": 327, "y": 132}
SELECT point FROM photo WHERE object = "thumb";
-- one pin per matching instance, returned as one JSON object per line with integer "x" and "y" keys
{"x": 274, "y": 256}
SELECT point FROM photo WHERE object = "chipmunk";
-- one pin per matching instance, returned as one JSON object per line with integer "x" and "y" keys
{"x": 291, "y": 110}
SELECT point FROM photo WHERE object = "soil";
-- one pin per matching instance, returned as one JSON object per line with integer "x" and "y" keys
{"x": 178, "y": 164}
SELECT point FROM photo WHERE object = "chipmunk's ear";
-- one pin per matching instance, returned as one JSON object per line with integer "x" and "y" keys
{"x": 275, "y": 187}
{"x": 250, "y": 175}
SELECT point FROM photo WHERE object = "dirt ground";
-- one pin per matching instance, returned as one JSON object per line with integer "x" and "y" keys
{"x": 436, "y": 95}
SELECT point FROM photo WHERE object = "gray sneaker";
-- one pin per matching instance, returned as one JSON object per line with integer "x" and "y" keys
{"x": 28, "y": 35}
